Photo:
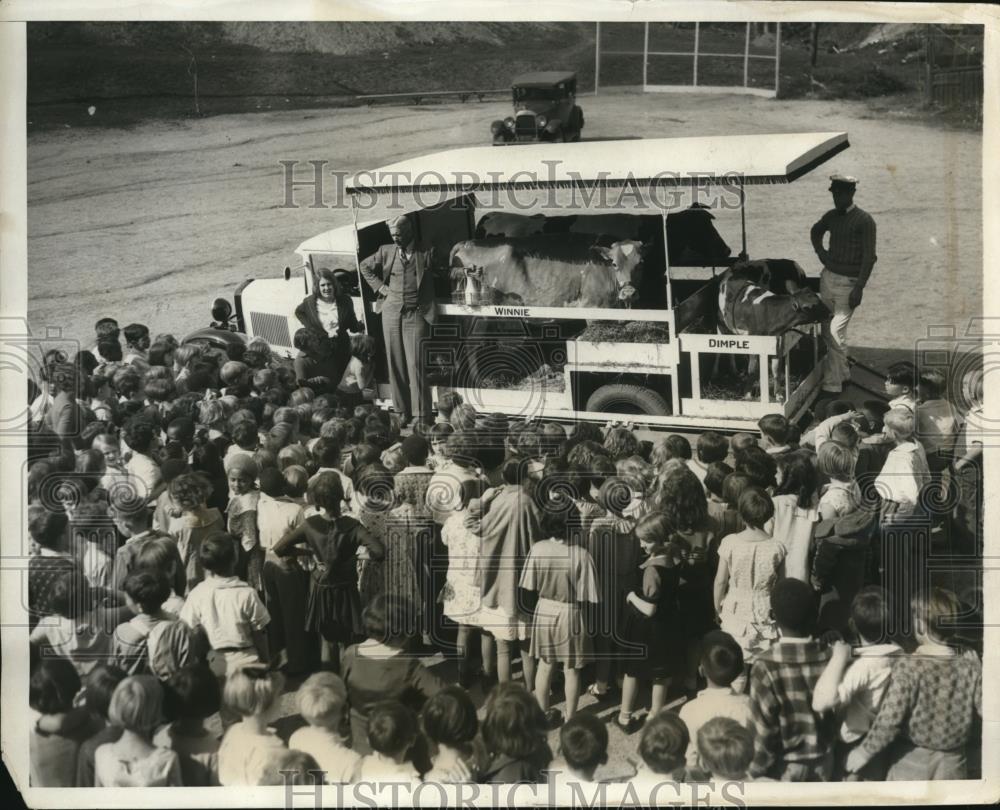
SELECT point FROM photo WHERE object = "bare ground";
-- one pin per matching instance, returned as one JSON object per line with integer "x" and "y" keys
{"x": 150, "y": 224}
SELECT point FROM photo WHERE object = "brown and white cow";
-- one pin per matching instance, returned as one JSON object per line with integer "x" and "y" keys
{"x": 554, "y": 270}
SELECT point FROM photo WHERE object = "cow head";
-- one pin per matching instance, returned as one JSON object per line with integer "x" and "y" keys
{"x": 809, "y": 307}
{"x": 625, "y": 261}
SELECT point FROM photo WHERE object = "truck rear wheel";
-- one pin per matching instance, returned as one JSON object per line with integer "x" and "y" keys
{"x": 625, "y": 398}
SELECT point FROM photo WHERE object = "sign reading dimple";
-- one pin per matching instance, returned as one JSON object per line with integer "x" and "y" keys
{"x": 717, "y": 343}
{"x": 513, "y": 312}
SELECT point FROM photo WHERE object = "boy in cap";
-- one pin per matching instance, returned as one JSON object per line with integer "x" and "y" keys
{"x": 847, "y": 265}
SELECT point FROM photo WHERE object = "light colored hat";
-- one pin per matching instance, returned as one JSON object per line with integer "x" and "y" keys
{"x": 843, "y": 180}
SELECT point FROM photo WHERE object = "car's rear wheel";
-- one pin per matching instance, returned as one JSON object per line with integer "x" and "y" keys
{"x": 626, "y": 398}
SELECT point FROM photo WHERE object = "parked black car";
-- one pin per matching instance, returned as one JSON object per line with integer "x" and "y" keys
{"x": 545, "y": 109}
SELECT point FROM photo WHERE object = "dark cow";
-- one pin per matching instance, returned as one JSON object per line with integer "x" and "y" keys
{"x": 501, "y": 224}
{"x": 766, "y": 297}
{"x": 554, "y": 270}
{"x": 693, "y": 239}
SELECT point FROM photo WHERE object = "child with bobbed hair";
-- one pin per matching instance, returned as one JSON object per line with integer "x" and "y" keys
{"x": 446, "y": 404}
{"x": 58, "y": 728}
{"x": 159, "y": 553}
{"x": 840, "y": 496}
{"x": 710, "y": 448}
{"x": 732, "y": 488}
{"x": 724, "y": 750}
{"x": 662, "y": 747}
{"x": 191, "y": 696}
{"x": 263, "y": 379}
{"x": 463, "y": 417}
{"x": 620, "y": 443}
{"x": 297, "y": 483}
{"x": 513, "y": 737}
{"x": 252, "y": 692}
{"x": 795, "y": 510}
{"x": 322, "y": 702}
{"x": 194, "y": 522}
{"x": 450, "y": 724}
{"x": 98, "y": 687}
{"x": 564, "y": 577}
{"x": 649, "y": 624}
{"x": 681, "y": 497}
{"x": 360, "y": 371}
{"x": 715, "y": 475}
{"x": 759, "y": 465}
{"x": 438, "y": 437}
{"x": 133, "y": 760}
{"x": 336, "y": 542}
{"x": 749, "y": 566}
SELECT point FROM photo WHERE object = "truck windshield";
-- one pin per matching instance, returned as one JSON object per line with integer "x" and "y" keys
{"x": 334, "y": 261}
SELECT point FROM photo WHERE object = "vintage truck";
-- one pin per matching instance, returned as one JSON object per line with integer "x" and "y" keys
{"x": 545, "y": 109}
{"x": 655, "y": 362}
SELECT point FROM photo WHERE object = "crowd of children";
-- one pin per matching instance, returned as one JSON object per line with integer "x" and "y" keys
{"x": 210, "y": 533}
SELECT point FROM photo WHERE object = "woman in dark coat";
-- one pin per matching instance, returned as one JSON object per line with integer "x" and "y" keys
{"x": 329, "y": 311}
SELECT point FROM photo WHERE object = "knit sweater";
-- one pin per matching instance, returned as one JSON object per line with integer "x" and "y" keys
{"x": 931, "y": 701}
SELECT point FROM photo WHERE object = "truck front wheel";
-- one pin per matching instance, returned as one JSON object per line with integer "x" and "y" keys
{"x": 625, "y": 398}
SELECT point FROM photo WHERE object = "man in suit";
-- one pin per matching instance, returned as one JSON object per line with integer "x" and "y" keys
{"x": 402, "y": 276}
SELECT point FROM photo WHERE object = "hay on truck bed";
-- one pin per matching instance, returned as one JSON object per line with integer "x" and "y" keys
{"x": 545, "y": 378}
{"x": 625, "y": 332}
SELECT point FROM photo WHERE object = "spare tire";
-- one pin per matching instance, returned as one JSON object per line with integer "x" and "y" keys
{"x": 625, "y": 398}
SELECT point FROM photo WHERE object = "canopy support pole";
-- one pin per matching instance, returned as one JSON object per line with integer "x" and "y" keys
{"x": 743, "y": 221}
{"x": 666, "y": 263}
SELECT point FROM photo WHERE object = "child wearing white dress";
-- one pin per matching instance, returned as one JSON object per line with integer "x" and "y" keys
{"x": 749, "y": 564}
{"x": 134, "y": 761}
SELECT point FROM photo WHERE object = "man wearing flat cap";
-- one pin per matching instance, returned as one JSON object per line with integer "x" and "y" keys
{"x": 847, "y": 265}
{"x": 401, "y": 274}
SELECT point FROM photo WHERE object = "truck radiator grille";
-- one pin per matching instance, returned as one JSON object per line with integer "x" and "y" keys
{"x": 273, "y": 328}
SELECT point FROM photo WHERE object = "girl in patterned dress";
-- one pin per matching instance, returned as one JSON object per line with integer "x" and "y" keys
{"x": 749, "y": 564}
{"x": 565, "y": 580}
{"x": 460, "y": 598}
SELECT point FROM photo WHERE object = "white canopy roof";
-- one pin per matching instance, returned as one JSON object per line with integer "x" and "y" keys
{"x": 641, "y": 163}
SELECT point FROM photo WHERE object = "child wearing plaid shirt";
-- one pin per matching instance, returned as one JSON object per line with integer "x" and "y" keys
{"x": 929, "y": 709}
{"x": 793, "y": 743}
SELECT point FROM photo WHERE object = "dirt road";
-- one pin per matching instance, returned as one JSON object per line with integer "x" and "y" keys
{"x": 150, "y": 224}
